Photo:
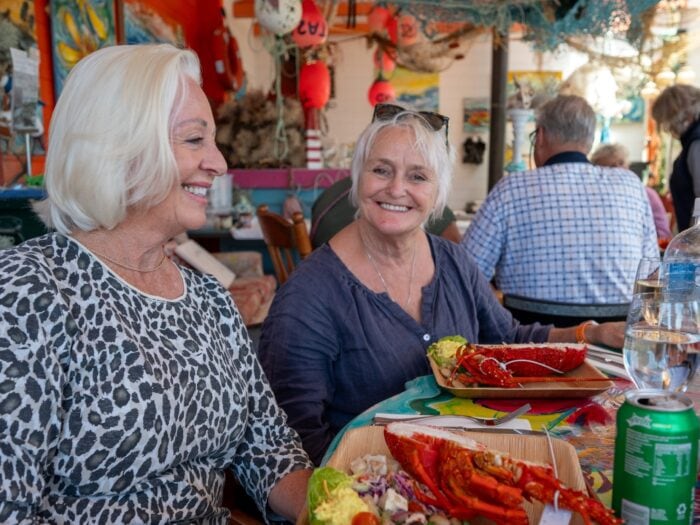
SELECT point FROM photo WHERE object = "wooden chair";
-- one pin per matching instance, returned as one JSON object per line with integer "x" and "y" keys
{"x": 528, "y": 310}
{"x": 286, "y": 241}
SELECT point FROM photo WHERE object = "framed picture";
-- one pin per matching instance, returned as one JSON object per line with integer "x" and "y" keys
{"x": 149, "y": 21}
{"x": 419, "y": 90}
{"x": 632, "y": 111}
{"x": 78, "y": 29}
{"x": 477, "y": 114}
{"x": 530, "y": 89}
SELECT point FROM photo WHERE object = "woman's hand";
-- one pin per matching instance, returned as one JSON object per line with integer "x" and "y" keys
{"x": 606, "y": 334}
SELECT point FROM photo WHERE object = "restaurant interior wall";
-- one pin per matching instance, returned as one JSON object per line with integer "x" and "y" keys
{"x": 350, "y": 111}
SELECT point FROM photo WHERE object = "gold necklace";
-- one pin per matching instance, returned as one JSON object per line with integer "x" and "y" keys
{"x": 129, "y": 267}
{"x": 381, "y": 278}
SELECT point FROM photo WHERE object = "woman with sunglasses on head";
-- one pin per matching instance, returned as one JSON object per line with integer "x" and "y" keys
{"x": 354, "y": 321}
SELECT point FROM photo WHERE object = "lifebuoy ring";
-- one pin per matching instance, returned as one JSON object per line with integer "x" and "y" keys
{"x": 227, "y": 59}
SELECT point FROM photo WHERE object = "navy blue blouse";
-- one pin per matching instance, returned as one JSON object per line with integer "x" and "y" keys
{"x": 331, "y": 347}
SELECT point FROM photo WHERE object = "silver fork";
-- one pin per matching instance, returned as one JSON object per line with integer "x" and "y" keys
{"x": 489, "y": 422}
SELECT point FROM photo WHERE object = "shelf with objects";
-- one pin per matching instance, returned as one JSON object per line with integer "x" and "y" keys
{"x": 232, "y": 225}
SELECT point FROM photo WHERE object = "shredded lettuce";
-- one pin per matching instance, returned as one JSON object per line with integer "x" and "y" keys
{"x": 322, "y": 483}
{"x": 443, "y": 350}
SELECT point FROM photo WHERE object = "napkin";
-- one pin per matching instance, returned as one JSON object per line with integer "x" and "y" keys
{"x": 609, "y": 368}
{"x": 457, "y": 421}
{"x": 607, "y": 361}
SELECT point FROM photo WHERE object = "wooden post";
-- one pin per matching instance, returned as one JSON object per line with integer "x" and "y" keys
{"x": 499, "y": 74}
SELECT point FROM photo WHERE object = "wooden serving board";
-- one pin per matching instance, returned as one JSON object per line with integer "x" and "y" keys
{"x": 370, "y": 440}
{"x": 533, "y": 390}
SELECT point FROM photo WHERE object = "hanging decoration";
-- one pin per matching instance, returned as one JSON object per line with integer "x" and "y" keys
{"x": 278, "y": 16}
{"x": 312, "y": 29}
{"x": 245, "y": 125}
{"x": 547, "y": 22}
{"x": 408, "y": 30}
{"x": 227, "y": 59}
{"x": 384, "y": 63}
{"x": 597, "y": 85}
{"x": 314, "y": 85}
{"x": 381, "y": 91}
{"x": 423, "y": 46}
{"x": 377, "y": 19}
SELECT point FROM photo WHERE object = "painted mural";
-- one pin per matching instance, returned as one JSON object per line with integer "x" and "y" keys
{"x": 144, "y": 24}
{"x": 77, "y": 29}
{"x": 477, "y": 114}
{"x": 419, "y": 90}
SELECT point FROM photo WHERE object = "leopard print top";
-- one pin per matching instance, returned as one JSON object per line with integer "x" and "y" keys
{"x": 121, "y": 407}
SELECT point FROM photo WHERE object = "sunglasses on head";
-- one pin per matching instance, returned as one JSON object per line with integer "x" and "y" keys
{"x": 434, "y": 121}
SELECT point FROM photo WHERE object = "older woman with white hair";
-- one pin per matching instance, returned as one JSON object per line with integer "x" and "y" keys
{"x": 354, "y": 321}
{"x": 130, "y": 384}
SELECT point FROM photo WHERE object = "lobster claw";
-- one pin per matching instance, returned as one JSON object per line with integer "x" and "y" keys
{"x": 485, "y": 369}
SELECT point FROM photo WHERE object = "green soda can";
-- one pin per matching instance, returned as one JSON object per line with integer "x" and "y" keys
{"x": 656, "y": 458}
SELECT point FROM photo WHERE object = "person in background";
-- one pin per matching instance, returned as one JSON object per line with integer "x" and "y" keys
{"x": 616, "y": 156}
{"x": 677, "y": 111}
{"x": 130, "y": 384}
{"x": 567, "y": 231}
{"x": 332, "y": 211}
{"x": 354, "y": 321}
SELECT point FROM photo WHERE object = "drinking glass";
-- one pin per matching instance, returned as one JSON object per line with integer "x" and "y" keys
{"x": 648, "y": 278}
{"x": 662, "y": 340}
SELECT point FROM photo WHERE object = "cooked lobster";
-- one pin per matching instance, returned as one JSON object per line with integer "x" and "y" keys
{"x": 511, "y": 366}
{"x": 466, "y": 479}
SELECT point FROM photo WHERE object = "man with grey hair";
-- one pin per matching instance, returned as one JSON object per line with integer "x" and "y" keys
{"x": 567, "y": 231}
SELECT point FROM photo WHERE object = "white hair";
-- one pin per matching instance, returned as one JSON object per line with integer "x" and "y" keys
{"x": 109, "y": 142}
{"x": 568, "y": 119}
{"x": 432, "y": 146}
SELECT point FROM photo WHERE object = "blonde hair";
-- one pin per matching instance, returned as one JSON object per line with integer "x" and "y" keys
{"x": 610, "y": 155}
{"x": 109, "y": 146}
{"x": 429, "y": 143}
{"x": 676, "y": 108}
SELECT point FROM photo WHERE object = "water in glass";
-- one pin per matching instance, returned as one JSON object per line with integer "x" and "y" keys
{"x": 662, "y": 341}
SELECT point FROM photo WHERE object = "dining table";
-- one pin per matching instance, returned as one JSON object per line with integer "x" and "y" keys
{"x": 587, "y": 423}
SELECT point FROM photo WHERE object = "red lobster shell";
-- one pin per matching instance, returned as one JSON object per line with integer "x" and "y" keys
{"x": 466, "y": 479}
{"x": 499, "y": 364}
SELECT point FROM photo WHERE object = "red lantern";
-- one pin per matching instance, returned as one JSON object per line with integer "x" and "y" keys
{"x": 314, "y": 85}
{"x": 381, "y": 91}
{"x": 384, "y": 62}
{"x": 377, "y": 19}
{"x": 312, "y": 29}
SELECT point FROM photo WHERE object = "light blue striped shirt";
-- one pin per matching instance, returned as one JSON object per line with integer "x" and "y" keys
{"x": 570, "y": 232}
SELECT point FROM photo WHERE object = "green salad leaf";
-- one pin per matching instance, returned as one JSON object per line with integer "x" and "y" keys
{"x": 324, "y": 481}
{"x": 443, "y": 350}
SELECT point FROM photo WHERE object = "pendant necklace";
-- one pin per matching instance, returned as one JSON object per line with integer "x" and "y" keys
{"x": 381, "y": 278}
{"x": 129, "y": 267}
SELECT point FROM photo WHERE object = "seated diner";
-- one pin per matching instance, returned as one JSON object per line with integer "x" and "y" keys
{"x": 130, "y": 384}
{"x": 353, "y": 322}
